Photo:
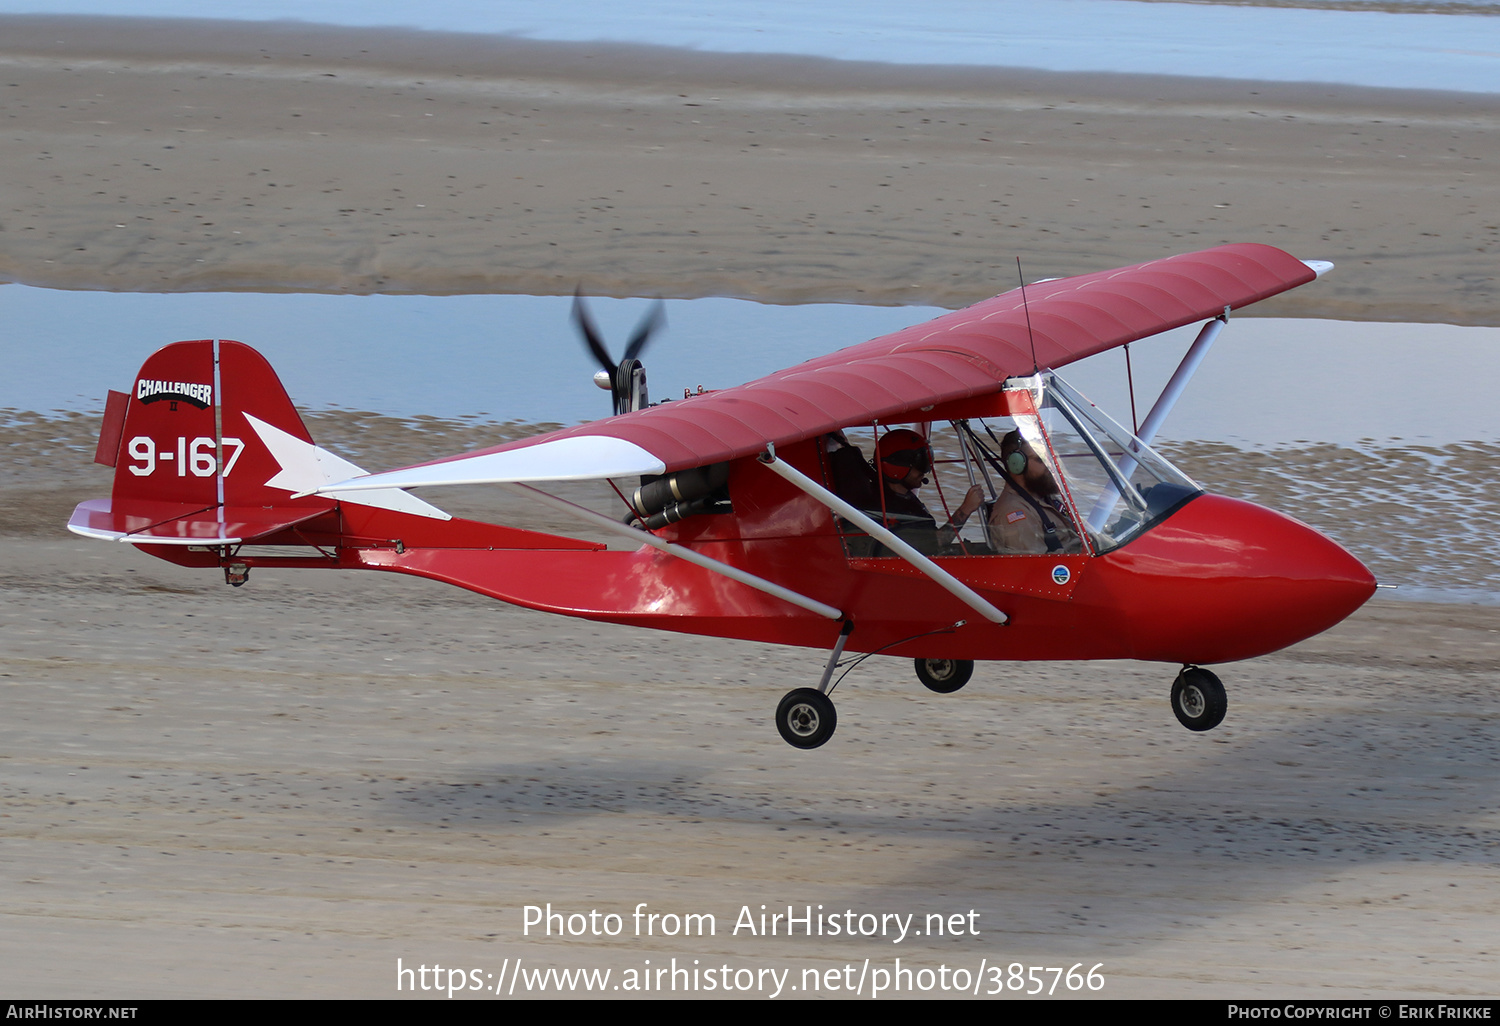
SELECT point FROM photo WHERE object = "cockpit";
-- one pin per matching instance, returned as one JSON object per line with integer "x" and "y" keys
{"x": 1051, "y": 473}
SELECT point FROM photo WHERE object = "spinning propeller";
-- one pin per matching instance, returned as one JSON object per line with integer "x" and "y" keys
{"x": 626, "y": 379}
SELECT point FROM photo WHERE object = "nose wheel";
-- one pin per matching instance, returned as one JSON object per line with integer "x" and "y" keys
{"x": 944, "y": 676}
{"x": 806, "y": 718}
{"x": 1198, "y": 699}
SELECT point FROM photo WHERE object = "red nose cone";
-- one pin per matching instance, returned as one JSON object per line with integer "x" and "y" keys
{"x": 1223, "y": 579}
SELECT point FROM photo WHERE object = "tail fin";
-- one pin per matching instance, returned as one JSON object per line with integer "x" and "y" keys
{"x": 209, "y": 450}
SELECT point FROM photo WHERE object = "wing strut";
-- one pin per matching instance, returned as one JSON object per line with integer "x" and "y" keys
{"x": 1180, "y": 378}
{"x": 697, "y": 558}
{"x": 961, "y": 591}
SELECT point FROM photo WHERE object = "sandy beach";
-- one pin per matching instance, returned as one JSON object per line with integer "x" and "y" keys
{"x": 281, "y": 790}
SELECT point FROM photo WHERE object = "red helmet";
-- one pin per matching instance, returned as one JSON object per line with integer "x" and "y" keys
{"x": 900, "y": 452}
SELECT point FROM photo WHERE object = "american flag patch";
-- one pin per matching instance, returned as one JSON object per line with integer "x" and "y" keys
{"x": 1014, "y": 517}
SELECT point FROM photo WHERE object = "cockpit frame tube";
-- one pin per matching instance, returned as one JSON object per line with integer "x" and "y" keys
{"x": 1116, "y": 452}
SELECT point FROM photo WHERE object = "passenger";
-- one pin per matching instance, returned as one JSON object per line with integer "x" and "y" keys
{"x": 1030, "y": 515}
{"x": 904, "y": 458}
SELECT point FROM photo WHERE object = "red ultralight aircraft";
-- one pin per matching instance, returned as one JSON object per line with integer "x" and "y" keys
{"x": 759, "y": 518}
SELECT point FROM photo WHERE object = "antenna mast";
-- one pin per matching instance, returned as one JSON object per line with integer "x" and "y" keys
{"x": 1029, "y": 336}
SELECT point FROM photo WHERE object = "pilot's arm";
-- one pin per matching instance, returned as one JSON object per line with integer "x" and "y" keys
{"x": 948, "y": 533}
{"x": 967, "y": 507}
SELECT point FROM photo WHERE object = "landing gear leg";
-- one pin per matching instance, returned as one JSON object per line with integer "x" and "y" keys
{"x": 1198, "y": 699}
{"x": 806, "y": 717}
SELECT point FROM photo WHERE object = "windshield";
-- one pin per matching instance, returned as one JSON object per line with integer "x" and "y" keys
{"x": 1119, "y": 485}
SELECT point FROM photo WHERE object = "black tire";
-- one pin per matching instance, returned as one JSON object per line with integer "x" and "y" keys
{"x": 944, "y": 676}
{"x": 806, "y": 718}
{"x": 1198, "y": 699}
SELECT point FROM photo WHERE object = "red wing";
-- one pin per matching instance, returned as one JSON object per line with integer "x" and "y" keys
{"x": 960, "y": 355}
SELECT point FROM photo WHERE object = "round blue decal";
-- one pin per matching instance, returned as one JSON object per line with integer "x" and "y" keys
{"x": 1060, "y": 574}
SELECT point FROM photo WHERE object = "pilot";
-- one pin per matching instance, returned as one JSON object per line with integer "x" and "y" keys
{"x": 1030, "y": 515}
{"x": 904, "y": 458}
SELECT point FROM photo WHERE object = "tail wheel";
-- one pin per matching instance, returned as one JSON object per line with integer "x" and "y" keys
{"x": 1198, "y": 699}
{"x": 944, "y": 676}
{"x": 806, "y": 718}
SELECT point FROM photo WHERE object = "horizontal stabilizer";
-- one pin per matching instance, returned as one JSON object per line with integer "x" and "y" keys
{"x": 305, "y": 468}
{"x": 172, "y": 523}
{"x": 587, "y": 457}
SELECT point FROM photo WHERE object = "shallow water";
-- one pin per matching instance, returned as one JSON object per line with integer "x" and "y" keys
{"x": 1290, "y": 42}
{"x": 495, "y": 357}
{"x": 1267, "y": 382}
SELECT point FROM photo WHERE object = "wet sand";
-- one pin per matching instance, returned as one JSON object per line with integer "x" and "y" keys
{"x": 280, "y": 790}
{"x": 198, "y": 156}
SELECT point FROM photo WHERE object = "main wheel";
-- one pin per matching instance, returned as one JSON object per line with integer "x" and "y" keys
{"x": 1198, "y": 699}
{"x": 806, "y": 718}
{"x": 944, "y": 676}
